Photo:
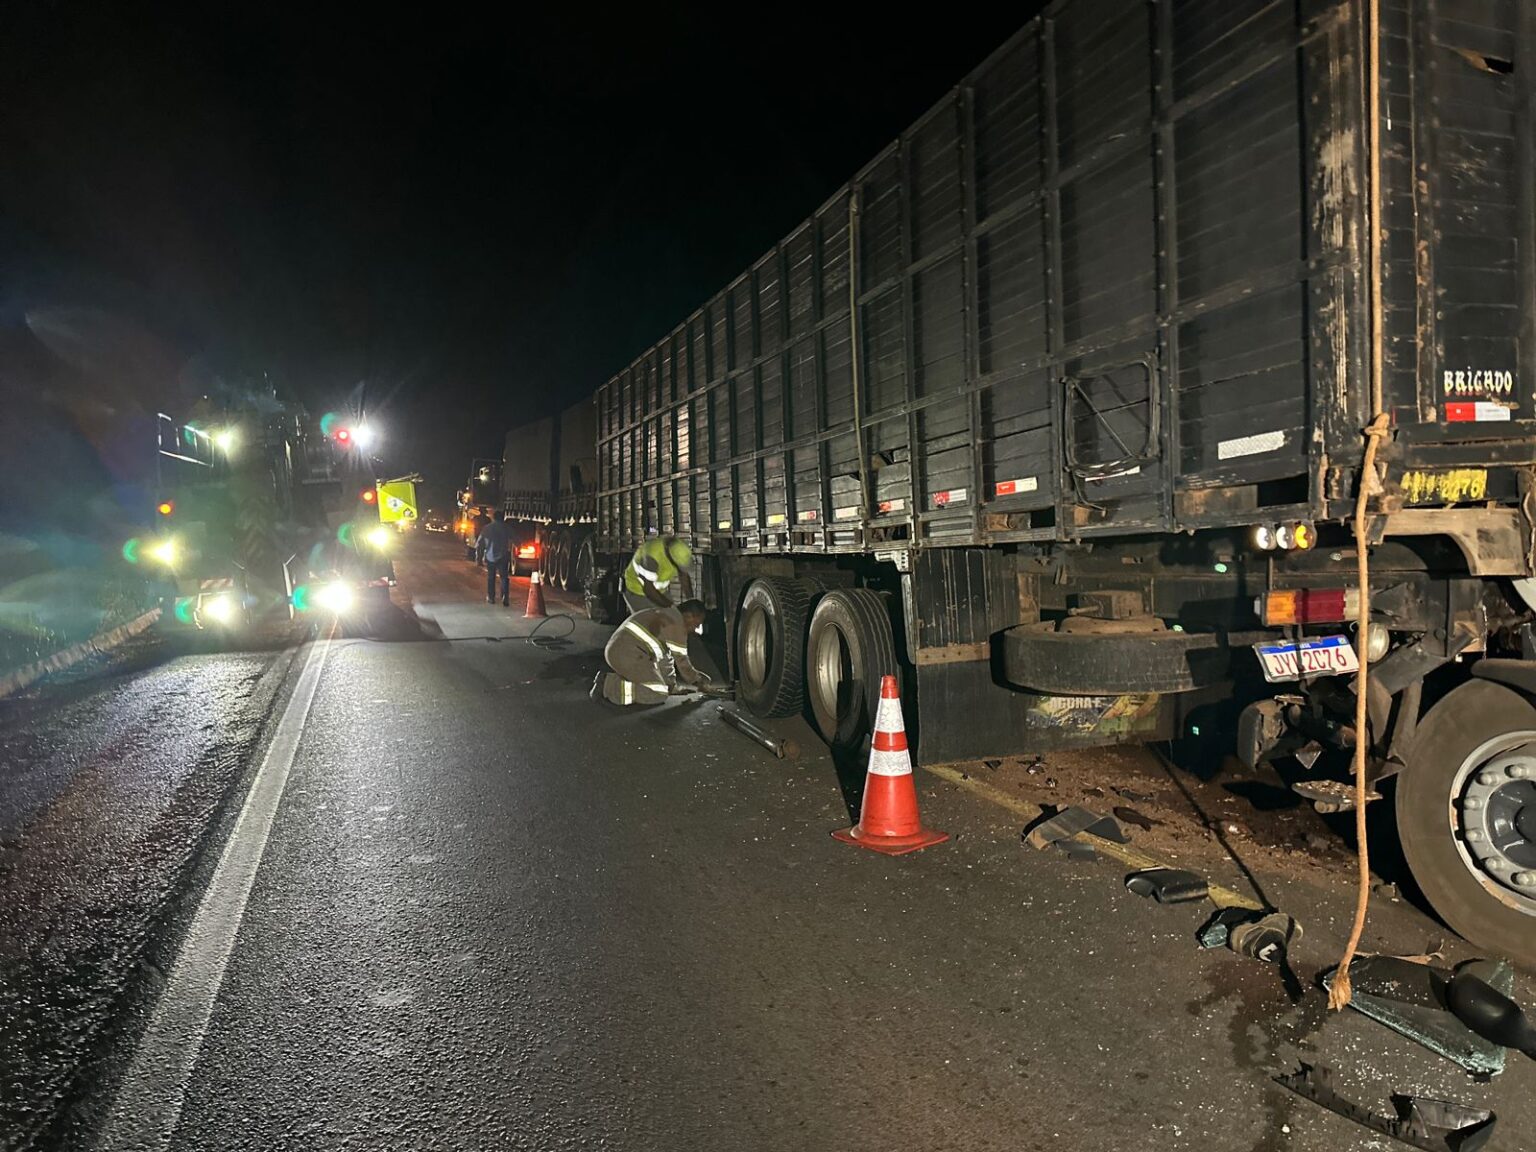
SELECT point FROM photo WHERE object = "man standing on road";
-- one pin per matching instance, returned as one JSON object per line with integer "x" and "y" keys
{"x": 495, "y": 544}
{"x": 648, "y": 656}
{"x": 654, "y": 566}
{"x": 477, "y": 524}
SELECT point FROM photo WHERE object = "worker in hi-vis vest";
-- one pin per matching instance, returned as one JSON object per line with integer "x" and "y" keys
{"x": 652, "y": 568}
{"x": 648, "y": 655}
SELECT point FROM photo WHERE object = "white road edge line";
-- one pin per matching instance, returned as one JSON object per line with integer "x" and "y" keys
{"x": 147, "y": 1108}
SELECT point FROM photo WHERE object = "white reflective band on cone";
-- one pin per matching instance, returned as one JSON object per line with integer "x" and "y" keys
{"x": 628, "y": 693}
{"x": 888, "y": 718}
{"x": 883, "y": 763}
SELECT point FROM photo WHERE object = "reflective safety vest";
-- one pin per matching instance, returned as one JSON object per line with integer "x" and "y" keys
{"x": 650, "y": 565}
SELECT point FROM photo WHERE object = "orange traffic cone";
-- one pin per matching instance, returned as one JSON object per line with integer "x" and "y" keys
{"x": 888, "y": 820}
{"x": 535, "y": 609}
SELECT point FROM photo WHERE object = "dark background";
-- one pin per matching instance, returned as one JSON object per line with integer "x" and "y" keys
{"x": 478, "y": 222}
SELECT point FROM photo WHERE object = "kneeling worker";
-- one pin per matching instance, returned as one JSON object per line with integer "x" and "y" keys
{"x": 654, "y": 566}
{"x": 649, "y": 656}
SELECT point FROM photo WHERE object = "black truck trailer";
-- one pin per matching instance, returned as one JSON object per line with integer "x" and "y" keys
{"x": 1057, "y": 408}
{"x": 549, "y": 480}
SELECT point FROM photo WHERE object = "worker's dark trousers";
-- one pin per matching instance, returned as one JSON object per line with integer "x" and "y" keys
{"x": 501, "y": 568}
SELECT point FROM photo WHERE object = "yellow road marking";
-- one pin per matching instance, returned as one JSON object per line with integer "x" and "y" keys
{"x": 1124, "y": 853}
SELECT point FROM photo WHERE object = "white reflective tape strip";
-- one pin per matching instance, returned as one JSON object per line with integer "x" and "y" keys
{"x": 1250, "y": 445}
{"x": 679, "y": 649}
{"x": 889, "y": 763}
{"x": 1136, "y": 471}
{"x": 808, "y": 514}
{"x": 846, "y": 512}
{"x": 888, "y": 718}
{"x": 642, "y": 570}
{"x": 952, "y": 496}
{"x": 663, "y": 585}
{"x": 892, "y": 505}
{"x": 1016, "y": 487}
{"x": 724, "y": 525}
{"x": 657, "y": 686}
{"x": 775, "y": 519}
{"x": 646, "y": 638}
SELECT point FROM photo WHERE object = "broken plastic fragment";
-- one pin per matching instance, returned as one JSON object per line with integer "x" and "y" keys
{"x": 1422, "y": 1121}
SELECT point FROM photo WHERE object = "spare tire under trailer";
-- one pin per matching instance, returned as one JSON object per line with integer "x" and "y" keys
{"x": 770, "y": 646}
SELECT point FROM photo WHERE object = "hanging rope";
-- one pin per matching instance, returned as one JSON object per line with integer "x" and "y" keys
{"x": 1340, "y": 993}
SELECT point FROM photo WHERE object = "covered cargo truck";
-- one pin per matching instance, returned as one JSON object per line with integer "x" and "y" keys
{"x": 1056, "y": 410}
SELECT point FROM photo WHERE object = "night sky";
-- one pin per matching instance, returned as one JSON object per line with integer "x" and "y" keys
{"x": 478, "y": 222}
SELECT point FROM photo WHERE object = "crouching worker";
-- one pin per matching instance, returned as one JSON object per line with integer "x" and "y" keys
{"x": 648, "y": 657}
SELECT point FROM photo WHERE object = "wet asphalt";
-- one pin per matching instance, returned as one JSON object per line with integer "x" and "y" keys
{"x": 491, "y": 914}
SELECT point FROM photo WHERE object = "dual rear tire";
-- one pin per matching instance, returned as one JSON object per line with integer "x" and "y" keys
{"x": 832, "y": 658}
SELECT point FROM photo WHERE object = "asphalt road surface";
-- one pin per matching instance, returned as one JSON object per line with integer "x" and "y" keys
{"x": 411, "y": 889}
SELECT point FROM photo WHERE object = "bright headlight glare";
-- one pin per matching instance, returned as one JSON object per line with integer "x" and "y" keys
{"x": 380, "y": 537}
{"x": 364, "y": 436}
{"x": 219, "y": 609}
{"x": 164, "y": 552}
{"x": 335, "y": 597}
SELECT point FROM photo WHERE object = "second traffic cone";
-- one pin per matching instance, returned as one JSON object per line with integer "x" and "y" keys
{"x": 888, "y": 819}
{"x": 535, "y": 607}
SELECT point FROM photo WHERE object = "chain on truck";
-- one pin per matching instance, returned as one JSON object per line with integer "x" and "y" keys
{"x": 1057, "y": 409}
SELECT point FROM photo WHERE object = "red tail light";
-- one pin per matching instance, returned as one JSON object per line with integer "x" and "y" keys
{"x": 527, "y": 551}
{"x": 1309, "y": 606}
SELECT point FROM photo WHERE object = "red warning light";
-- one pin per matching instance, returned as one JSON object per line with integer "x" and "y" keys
{"x": 369, "y": 496}
{"x": 343, "y": 435}
{"x": 165, "y": 507}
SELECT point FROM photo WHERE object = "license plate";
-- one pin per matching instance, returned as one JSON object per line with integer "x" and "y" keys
{"x": 1326, "y": 656}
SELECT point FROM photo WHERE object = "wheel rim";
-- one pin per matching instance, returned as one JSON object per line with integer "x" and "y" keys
{"x": 831, "y": 670}
{"x": 756, "y": 647}
{"x": 1493, "y": 816}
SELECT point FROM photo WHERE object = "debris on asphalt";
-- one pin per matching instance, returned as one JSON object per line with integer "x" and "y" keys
{"x": 1423, "y": 1122}
{"x": 1330, "y": 797}
{"x": 1134, "y": 796}
{"x": 1097, "y": 793}
{"x": 1268, "y": 939}
{"x": 1489, "y": 1011}
{"x": 994, "y": 765}
{"x": 783, "y": 749}
{"x": 1410, "y": 998}
{"x": 1168, "y": 885}
{"x": 1134, "y": 818}
{"x": 1215, "y": 932}
{"x": 1065, "y": 823}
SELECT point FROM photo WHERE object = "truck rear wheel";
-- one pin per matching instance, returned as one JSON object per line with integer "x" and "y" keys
{"x": 549, "y": 561}
{"x": 1466, "y": 814}
{"x": 599, "y": 609}
{"x": 851, "y": 647}
{"x": 770, "y": 646}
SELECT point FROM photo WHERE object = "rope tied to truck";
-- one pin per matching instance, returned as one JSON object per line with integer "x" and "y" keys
{"x": 1340, "y": 993}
